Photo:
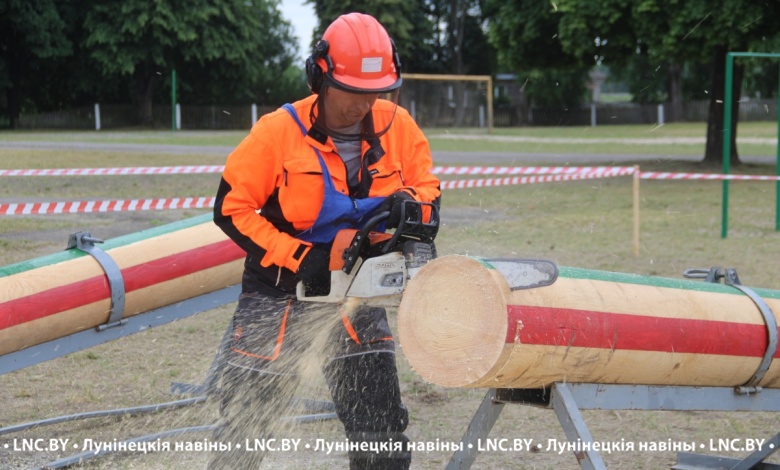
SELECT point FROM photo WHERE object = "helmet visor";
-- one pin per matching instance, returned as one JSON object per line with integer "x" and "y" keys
{"x": 366, "y": 131}
{"x": 349, "y": 84}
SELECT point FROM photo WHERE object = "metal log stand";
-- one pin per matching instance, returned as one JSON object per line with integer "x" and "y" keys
{"x": 567, "y": 399}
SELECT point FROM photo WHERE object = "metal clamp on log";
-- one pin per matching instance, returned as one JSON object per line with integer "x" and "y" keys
{"x": 85, "y": 242}
{"x": 731, "y": 278}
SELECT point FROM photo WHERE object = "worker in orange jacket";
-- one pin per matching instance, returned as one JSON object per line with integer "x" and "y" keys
{"x": 327, "y": 162}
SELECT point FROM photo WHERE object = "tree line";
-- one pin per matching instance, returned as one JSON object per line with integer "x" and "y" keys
{"x": 56, "y": 54}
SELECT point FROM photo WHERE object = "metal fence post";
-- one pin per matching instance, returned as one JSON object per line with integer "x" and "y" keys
{"x": 97, "y": 116}
{"x": 727, "y": 96}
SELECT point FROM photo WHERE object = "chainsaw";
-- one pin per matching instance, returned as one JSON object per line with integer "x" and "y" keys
{"x": 374, "y": 267}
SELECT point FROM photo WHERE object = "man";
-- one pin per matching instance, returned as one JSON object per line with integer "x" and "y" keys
{"x": 329, "y": 161}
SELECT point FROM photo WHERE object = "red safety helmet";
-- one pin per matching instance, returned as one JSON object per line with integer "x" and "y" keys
{"x": 355, "y": 55}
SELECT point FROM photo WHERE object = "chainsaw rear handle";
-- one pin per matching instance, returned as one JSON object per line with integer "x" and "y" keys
{"x": 416, "y": 229}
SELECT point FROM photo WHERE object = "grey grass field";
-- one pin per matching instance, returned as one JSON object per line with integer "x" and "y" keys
{"x": 586, "y": 224}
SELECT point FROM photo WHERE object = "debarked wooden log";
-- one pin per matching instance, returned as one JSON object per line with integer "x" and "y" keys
{"x": 58, "y": 295}
{"x": 460, "y": 325}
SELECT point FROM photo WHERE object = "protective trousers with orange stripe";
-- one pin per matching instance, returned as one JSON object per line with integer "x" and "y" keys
{"x": 274, "y": 340}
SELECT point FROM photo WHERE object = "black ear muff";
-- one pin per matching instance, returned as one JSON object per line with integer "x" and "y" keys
{"x": 314, "y": 74}
{"x": 396, "y": 59}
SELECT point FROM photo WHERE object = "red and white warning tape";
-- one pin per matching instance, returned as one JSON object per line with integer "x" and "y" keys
{"x": 481, "y": 183}
{"x": 128, "y": 205}
{"x": 538, "y": 175}
{"x": 655, "y": 175}
{"x": 439, "y": 170}
{"x": 148, "y": 170}
{"x": 202, "y": 169}
{"x": 117, "y": 205}
{"x": 526, "y": 170}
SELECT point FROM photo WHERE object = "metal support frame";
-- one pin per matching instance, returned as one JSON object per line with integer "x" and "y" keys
{"x": 730, "y": 278}
{"x": 568, "y": 399}
{"x": 85, "y": 242}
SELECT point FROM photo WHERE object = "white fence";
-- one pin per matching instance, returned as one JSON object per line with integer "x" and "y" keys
{"x": 105, "y": 116}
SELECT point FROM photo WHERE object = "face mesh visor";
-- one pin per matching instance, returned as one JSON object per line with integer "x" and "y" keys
{"x": 366, "y": 131}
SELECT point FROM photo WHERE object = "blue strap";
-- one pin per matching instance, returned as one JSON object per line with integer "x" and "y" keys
{"x": 338, "y": 210}
{"x": 291, "y": 111}
{"x": 325, "y": 173}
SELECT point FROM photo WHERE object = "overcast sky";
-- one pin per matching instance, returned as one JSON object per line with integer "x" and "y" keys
{"x": 303, "y": 21}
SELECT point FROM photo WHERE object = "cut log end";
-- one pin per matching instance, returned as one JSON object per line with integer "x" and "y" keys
{"x": 452, "y": 321}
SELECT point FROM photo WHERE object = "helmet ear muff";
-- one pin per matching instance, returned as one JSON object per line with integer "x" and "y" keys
{"x": 396, "y": 59}
{"x": 314, "y": 73}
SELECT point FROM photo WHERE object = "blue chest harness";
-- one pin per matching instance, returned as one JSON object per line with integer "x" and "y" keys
{"x": 338, "y": 211}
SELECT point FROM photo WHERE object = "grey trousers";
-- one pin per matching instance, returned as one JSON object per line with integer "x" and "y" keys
{"x": 271, "y": 338}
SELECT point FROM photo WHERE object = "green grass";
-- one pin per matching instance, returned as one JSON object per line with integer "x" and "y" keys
{"x": 590, "y": 225}
{"x": 584, "y": 139}
{"x": 766, "y": 130}
{"x": 31, "y": 158}
{"x": 690, "y": 129}
{"x": 562, "y": 148}
{"x": 230, "y": 138}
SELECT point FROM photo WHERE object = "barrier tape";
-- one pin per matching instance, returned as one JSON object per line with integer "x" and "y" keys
{"x": 117, "y": 205}
{"x": 149, "y": 170}
{"x": 655, "y": 175}
{"x": 438, "y": 170}
{"x": 524, "y": 170}
{"x": 203, "y": 169}
{"x": 128, "y": 205}
{"x": 539, "y": 175}
{"x": 490, "y": 182}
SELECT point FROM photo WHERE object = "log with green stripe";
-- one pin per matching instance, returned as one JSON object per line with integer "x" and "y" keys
{"x": 461, "y": 326}
{"x": 64, "y": 293}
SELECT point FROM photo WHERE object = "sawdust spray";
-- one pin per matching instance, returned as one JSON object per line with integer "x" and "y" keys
{"x": 296, "y": 413}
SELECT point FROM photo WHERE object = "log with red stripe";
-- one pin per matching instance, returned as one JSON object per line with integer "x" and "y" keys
{"x": 57, "y": 295}
{"x": 461, "y": 326}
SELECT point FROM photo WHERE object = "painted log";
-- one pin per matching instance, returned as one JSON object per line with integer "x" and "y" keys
{"x": 460, "y": 325}
{"x": 58, "y": 295}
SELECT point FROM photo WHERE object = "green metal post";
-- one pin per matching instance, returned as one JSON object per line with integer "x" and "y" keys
{"x": 777, "y": 164}
{"x": 724, "y": 231}
{"x": 173, "y": 100}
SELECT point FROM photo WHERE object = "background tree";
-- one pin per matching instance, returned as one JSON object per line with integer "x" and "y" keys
{"x": 228, "y": 40}
{"x": 672, "y": 34}
{"x": 431, "y": 36}
{"x": 31, "y": 32}
{"x": 525, "y": 33}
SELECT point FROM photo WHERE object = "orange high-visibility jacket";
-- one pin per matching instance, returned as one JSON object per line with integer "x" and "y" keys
{"x": 272, "y": 186}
